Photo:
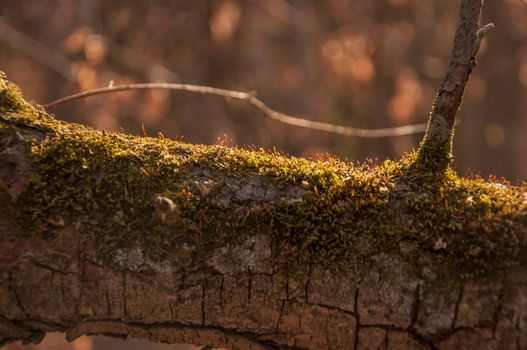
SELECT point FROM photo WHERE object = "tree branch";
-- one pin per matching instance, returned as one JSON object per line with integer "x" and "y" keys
{"x": 435, "y": 153}
{"x": 106, "y": 233}
{"x": 256, "y": 103}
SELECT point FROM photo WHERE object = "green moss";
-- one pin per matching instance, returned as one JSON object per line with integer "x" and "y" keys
{"x": 104, "y": 184}
{"x": 19, "y": 111}
{"x": 434, "y": 156}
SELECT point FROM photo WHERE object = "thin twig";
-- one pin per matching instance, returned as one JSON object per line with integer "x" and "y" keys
{"x": 256, "y": 103}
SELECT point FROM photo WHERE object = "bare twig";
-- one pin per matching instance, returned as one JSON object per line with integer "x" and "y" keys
{"x": 436, "y": 147}
{"x": 256, "y": 103}
{"x": 36, "y": 50}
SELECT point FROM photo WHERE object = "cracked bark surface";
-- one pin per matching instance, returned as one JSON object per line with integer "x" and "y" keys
{"x": 205, "y": 305}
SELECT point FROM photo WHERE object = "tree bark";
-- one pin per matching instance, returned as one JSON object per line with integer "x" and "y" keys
{"x": 436, "y": 147}
{"x": 247, "y": 250}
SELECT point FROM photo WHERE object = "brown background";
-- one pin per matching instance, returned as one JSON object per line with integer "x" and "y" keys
{"x": 360, "y": 63}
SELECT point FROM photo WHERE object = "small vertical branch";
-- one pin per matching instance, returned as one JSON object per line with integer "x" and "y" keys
{"x": 435, "y": 151}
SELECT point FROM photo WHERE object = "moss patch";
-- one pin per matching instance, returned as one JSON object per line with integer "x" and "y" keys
{"x": 19, "y": 111}
{"x": 100, "y": 188}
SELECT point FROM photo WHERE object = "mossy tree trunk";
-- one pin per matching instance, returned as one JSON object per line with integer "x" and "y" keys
{"x": 104, "y": 233}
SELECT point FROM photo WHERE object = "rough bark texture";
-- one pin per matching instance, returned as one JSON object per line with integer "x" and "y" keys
{"x": 109, "y": 234}
{"x": 436, "y": 147}
{"x": 254, "y": 309}
{"x": 55, "y": 275}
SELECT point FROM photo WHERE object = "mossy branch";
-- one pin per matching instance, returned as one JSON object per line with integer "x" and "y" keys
{"x": 106, "y": 233}
{"x": 435, "y": 151}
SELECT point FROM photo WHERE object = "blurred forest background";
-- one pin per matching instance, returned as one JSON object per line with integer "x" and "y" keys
{"x": 361, "y": 63}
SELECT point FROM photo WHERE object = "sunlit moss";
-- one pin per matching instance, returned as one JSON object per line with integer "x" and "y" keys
{"x": 12, "y": 102}
{"x": 103, "y": 185}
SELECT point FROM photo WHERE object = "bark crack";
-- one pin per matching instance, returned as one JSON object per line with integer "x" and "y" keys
{"x": 287, "y": 286}
{"x": 416, "y": 336}
{"x": 172, "y": 314}
{"x": 499, "y": 306}
{"x": 280, "y": 316}
{"x": 326, "y": 331}
{"x": 222, "y": 291}
{"x": 357, "y": 318}
{"x": 108, "y": 305}
{"x": 62, "y": 288}
{"x": 47, "y": 267}
{"x": 125, "y": 306}
{"x": 334, "y": 308}
{"x": 308, "y": 282}
{"x": 415, "y": 307}
{"x": 12, "y": 289}
{"x": 249, "y": 285}
{"x": 456, "y": 308}
{"x": 203, "y": 293}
